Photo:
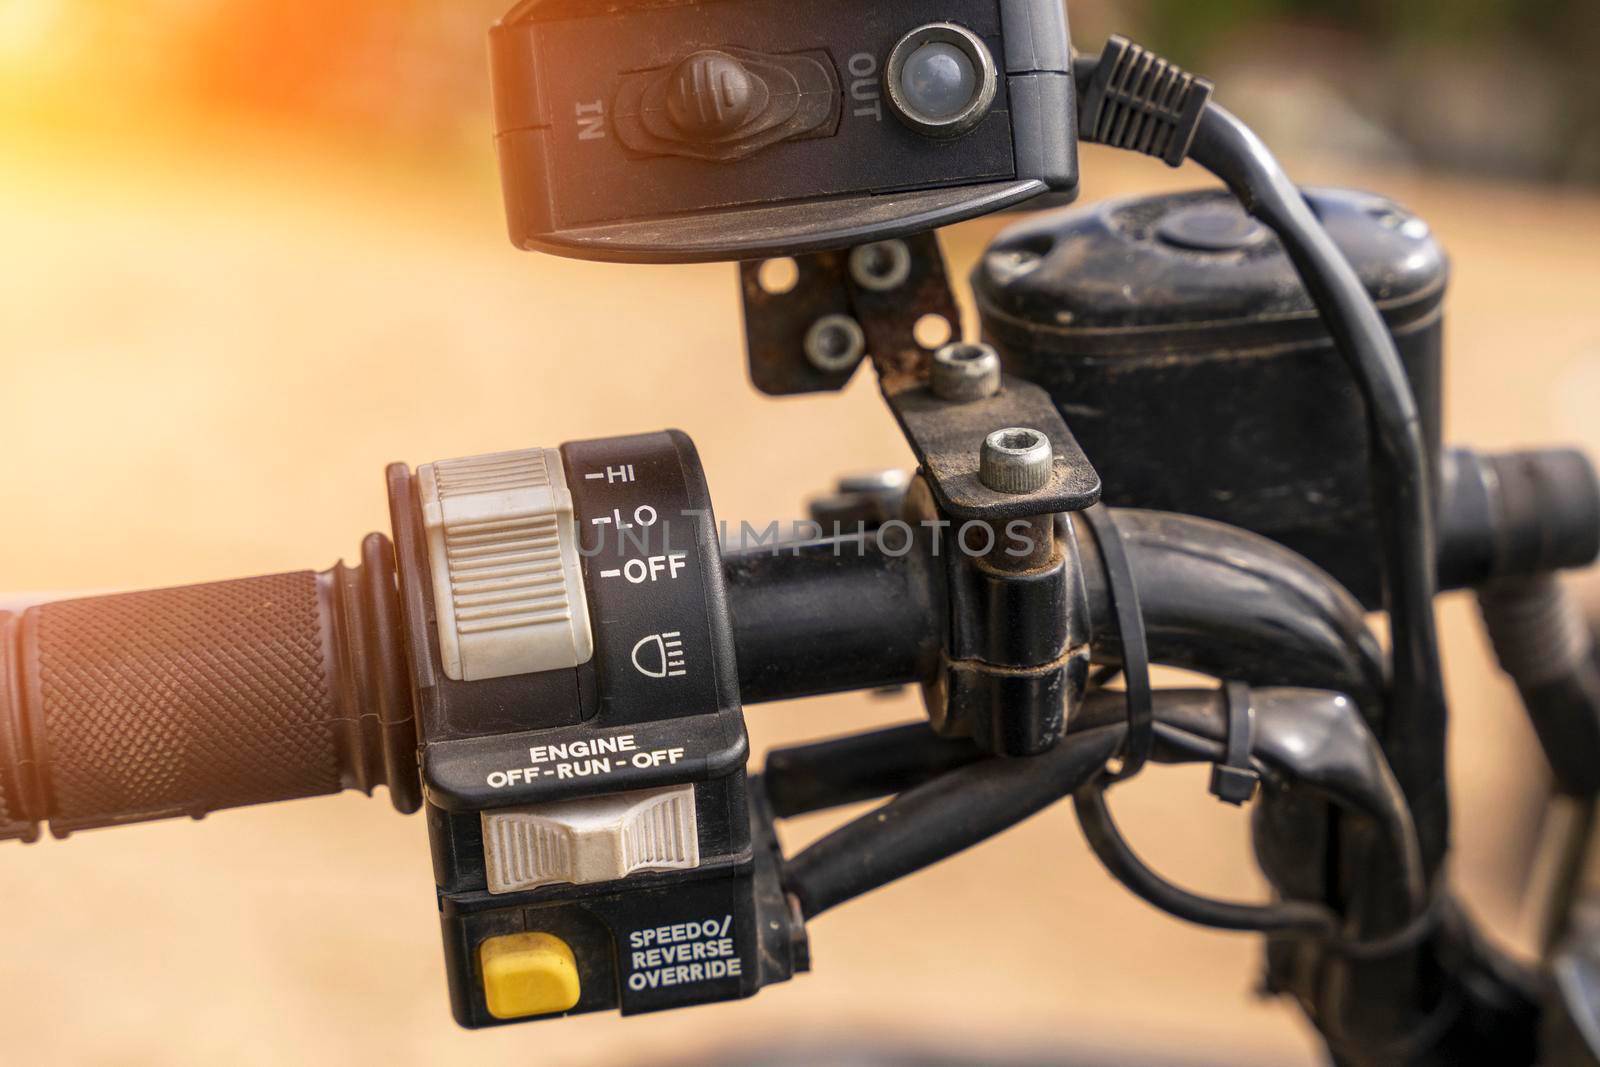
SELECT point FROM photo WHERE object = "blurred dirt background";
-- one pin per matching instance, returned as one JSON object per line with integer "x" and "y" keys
{"x": 221, "y": 319}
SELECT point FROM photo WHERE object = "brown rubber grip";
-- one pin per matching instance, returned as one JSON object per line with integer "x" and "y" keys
{"x": 184, "y": 701}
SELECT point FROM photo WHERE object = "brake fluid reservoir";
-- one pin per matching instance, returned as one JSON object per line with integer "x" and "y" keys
{"x": 1175, "y": 337}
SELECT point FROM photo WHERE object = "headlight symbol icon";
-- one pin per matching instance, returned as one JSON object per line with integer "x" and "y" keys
{"x": 660, "y": 655}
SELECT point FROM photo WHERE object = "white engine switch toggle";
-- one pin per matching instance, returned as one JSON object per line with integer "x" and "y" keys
{"x": 595, "y": 839}
{"x": 507, "y": 580}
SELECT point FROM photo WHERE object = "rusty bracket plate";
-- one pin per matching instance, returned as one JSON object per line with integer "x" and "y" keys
{"x": 775, "y": 324}
{"x": 890, "y": 317}
{"x": 947, "y": 438}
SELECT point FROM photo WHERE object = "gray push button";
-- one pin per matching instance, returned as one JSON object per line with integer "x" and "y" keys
{"x": 941, "y": 79}
{"x": 938, "y": 80}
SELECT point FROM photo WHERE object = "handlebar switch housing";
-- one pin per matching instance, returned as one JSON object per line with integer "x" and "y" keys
{"x": 582, "y": 751}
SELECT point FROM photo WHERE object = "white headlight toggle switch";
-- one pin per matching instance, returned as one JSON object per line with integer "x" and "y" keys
{"x": 596, "y": 839}
{"x": 503, "y": 549}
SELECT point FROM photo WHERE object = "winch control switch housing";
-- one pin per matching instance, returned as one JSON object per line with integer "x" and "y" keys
{"x": 684, "y": 130}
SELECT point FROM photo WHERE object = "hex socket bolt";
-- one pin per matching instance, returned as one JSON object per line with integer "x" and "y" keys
{"x": 1016, "y": 460}
{"x": 963, "y": 372}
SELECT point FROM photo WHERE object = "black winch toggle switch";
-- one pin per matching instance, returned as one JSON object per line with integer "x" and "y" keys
{"x": 713, "y": 95}
{"x": 723, "y": 104}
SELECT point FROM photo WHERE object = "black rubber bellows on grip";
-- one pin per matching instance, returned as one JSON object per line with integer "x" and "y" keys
{"x": 183, "y": 701}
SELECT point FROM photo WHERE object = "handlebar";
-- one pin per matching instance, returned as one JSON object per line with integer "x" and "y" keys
{"x": 119, "y": 709}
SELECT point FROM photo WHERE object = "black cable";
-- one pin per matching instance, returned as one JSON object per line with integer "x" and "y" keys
{"x": 1100, "y": 830}
{"x": 1303, "y": 736}
{"x": 1232, "y": 604}
{"x": 1234, "y": 778}
{"x": 1131, "y": 98}
{"x": 942, "y": 817}
{"x": 1282, "y": 917}
{"x": 1135, "y": 663}
{"x": 1414, "y": 734}
{"x": 863, "y": 766}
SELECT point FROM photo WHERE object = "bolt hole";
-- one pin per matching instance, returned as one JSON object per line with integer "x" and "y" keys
{"x": 778, "y": 276}
{"x": 1021, "y": 440}
{"x": 834, "y": 342}
{"x": 965, "y": 353}
{"x": 932, "y": 331}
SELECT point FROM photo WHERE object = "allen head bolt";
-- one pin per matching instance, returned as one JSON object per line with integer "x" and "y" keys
{"x": 963, "y": 372}
{"x": 1016, "y": 460}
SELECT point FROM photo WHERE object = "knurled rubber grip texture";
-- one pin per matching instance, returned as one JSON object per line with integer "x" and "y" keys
{"x": 183, "y": 701}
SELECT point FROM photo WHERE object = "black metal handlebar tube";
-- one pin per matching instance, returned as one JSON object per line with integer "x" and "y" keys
{"x": 1510, "y": 521}
{"x": 1516, "y": 515}
{"x": 833, "y": 615}
{"x": 849, "y": 613}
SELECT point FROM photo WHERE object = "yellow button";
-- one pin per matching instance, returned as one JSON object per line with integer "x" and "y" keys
{"x": 528, "y": 974}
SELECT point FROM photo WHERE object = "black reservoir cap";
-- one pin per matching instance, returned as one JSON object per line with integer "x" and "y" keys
{"x": 1195, "y": 271}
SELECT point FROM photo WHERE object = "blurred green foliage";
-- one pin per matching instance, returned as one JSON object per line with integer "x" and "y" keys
{"x": 1496, "y": 86}
{"x": 1190, "y": 28}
